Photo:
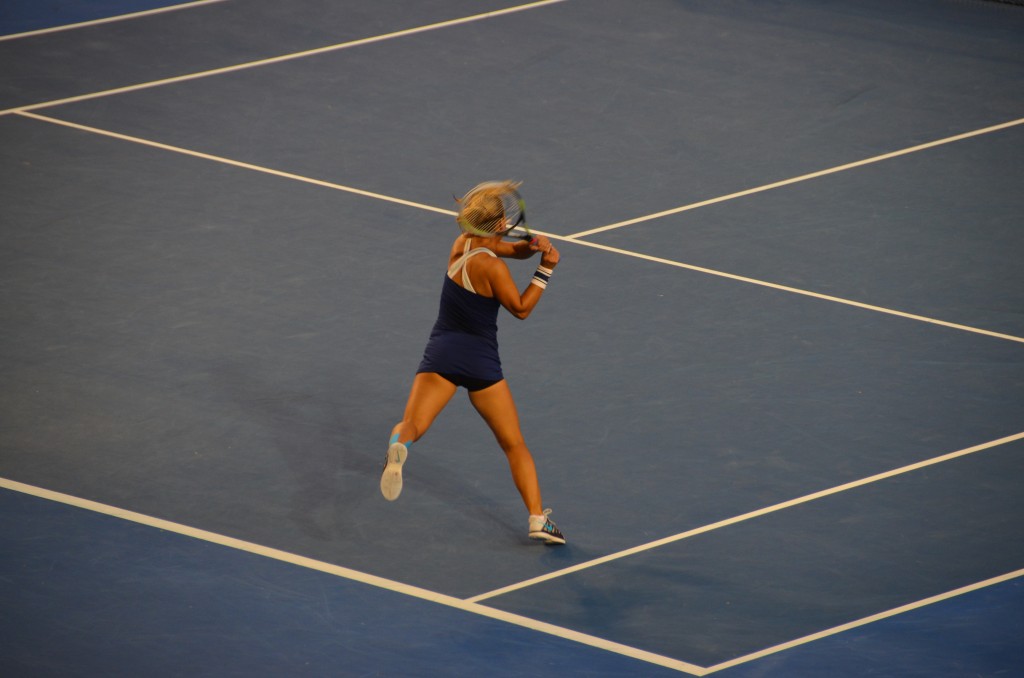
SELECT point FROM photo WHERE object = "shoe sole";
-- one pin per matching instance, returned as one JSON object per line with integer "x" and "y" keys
{"x": 546, "y": 538}
{"x": 391, "y": 478}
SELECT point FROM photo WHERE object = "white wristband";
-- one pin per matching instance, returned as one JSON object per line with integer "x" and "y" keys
{"x": 541, "y": 277}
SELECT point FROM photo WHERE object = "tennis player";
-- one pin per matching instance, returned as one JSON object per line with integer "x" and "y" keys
{"x": 463, "y": 350}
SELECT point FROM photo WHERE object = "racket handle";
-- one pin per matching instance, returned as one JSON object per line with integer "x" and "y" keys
{"x": 522, "y": 235}
{"x": 527, "y": 236}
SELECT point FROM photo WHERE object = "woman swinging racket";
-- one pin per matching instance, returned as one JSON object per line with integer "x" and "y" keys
{"x": 463, "y": 347}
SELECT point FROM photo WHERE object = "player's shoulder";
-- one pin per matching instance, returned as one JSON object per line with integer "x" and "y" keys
{"x": 492, "y": 266}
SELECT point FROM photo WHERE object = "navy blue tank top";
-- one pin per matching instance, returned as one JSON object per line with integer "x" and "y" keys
{"x": 464, "y": 339}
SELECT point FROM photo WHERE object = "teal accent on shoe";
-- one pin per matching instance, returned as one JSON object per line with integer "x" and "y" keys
{"x": 394, "y": 439}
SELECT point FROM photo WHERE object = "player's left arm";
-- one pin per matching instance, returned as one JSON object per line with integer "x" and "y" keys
{"x": 521, "y": 249}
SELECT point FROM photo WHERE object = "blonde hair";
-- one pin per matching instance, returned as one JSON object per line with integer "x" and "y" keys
{"x": 482, "y": 209}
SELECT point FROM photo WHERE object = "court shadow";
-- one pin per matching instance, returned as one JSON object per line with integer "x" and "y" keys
{"x": 327, "y": 428}
{"x": 309, "y": 421}
{"x": 433, "y": 477}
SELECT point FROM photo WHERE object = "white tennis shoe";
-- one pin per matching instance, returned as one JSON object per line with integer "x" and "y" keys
{"x": 544, "y": 529}
{"x": 391, "y": 478}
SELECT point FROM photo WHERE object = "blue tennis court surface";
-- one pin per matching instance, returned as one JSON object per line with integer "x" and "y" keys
{"x": 775, "y": 388}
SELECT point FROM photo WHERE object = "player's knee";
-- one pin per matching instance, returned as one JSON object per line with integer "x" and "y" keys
{"x": 514, "y": 448}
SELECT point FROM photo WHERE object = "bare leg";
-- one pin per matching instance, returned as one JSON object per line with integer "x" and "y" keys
{"x": 496, "y": 406}
{"x": 429, "y": 394}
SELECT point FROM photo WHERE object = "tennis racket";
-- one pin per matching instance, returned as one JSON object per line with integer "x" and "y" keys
{"x": 495, "y": 208}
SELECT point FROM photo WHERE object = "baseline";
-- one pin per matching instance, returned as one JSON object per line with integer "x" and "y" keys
{"x": 469, "y": 605}
{"x": 282, "y": 58}
{"x": 354, "y": 575}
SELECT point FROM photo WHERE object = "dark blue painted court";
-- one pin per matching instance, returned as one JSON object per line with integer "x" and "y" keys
{"x": 775, "y": 389}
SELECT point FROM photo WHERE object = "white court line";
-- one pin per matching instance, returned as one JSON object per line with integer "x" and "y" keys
{"x": 469, "y": 605}
{"x": 795, "y": 290}
{"x": 794, "y": 180}
{"x": 741, "y": 518}
{"x": 107, "y": 20}
{"x": 233, "y": 163}
{"x": 354, "y": 575}
{"x": 866, "y": 620}
{"x": 585, "y": 243}
{"x": 282, "y": 58}
{"x": 241, "y": 165}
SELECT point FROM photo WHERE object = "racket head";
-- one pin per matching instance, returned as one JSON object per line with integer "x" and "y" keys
{"x": 492, "y": 208}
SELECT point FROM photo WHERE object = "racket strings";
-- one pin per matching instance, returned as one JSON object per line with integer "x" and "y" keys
{"x": 490, "y": 208}
{"x": 512, "y": 207}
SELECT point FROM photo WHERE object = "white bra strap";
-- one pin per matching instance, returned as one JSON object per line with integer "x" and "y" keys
{"x": 460, "y": 263}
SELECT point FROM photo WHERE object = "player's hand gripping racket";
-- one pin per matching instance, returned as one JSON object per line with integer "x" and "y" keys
{"x": 495, "y": 208}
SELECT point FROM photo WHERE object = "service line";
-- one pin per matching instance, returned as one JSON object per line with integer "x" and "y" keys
{"x": 570, "y": 239}
{"x": 795, "y": 180}
{"x": 744, "y": 517}
{"x": 865, "y": 621}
